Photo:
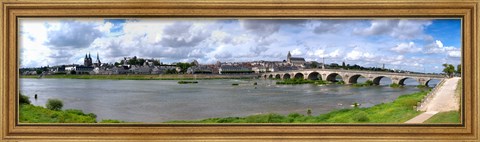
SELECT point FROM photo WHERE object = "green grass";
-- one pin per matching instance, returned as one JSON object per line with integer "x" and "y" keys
{"x": 37, "y": 114}
{"x": 395, "y": 85}
{"x": 142, "y": 77}
{"x": 445, "y": 117}
{"x": 365, "y": 84}
{"x": 397, "y": 111}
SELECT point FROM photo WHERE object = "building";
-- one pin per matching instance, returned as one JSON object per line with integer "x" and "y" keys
{"x": 228, "y": 69}
{"x": 295, "y": 61}
{"x": 200, "y": 69}
{"x": 88, "y": 60}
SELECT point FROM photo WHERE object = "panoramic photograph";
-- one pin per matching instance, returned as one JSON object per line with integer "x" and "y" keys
{"x": 201, "y": 70}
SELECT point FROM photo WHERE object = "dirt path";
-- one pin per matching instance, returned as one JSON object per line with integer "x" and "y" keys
{"x": 443, "y": 100}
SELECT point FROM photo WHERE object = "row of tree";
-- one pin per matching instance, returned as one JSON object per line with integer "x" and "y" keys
{"x": 449, "y": 69}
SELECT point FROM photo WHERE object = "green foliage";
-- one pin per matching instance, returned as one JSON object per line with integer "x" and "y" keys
{"x": 459, "y": 69}
{"x": 422, "y": 86}
{"x": 397, "y": 111}
{"x": 183, "y": 67}
{"x": 314, "y": 65}
{"x": 449, "y": 69}
{"x": 23, "y": 99}
{"x": 445, "y": 117}
{"x": 73, "y": 72}
{"x": 340, "y": 82}
{"x": 156, "y": 63}
{"x": 37, "y": 114}
{"x": 39, "y": 71}
{"x": 360, "y": 116}
{"x": 367, "y": 83}
{"x": 54, "y": 104}
{"x": 309, "y": 112}
{"x": 395, "y": 85}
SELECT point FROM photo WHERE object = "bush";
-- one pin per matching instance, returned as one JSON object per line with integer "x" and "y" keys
{"x": 24, "y": 99}
{"x": 54, "y": 104}
{"x": 360, "y": 117}
{"x": 395, "y": 85}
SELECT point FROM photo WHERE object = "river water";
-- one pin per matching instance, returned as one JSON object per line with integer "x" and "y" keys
{"x": 165, "y": 100}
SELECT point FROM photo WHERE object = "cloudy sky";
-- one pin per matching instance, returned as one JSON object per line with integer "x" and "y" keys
{"x": 411, "y": 44}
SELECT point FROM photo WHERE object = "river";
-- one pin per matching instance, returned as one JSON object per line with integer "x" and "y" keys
{"x": 165, "y": 100}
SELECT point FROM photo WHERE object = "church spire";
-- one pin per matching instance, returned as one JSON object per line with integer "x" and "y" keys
{"x": 98, "y": 59}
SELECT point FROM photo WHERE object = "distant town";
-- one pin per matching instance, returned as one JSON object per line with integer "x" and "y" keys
{"x": 137, "y": 65}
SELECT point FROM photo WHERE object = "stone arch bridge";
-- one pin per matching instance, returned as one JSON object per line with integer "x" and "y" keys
{"x": 351, "y": 76}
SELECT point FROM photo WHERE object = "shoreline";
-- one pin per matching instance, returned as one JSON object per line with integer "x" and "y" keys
{"x": 142, "y": 77}
{"x": 397, "y": 111}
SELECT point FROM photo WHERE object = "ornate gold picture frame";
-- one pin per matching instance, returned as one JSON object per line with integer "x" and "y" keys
{"x": 13, "y": 10}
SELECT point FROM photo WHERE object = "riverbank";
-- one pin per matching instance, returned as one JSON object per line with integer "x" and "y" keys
{"x": 398, "y": 111}
{"x": 29, "y": 113}
{"x": 145, "y": 77}
{"x": 449, "y": 116}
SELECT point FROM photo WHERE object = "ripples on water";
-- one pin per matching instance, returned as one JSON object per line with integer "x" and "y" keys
{"x": 164, "y": 100}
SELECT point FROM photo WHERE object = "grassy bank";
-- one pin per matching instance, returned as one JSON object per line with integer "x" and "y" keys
{"x": 37, "y": 114}
{"x": 397, "y": 111}
{"x": 445, "y": 117}
{"x": 142, "y": 77}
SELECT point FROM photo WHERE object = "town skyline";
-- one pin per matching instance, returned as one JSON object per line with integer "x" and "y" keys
{"x": 413, "y": 44}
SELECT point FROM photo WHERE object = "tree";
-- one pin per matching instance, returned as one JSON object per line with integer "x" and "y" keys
{"x": 343, "y": 65}
{"x": 183, "y": 66}
{"x": 156, "y": 62}
{"x": 133, "y": 61}
{"x": 54, "y": 104}
{"x": 459, "y": 69}
{"x": 448, "y": 69}
{"x": 140, "y": 61}
{"x": 314, "y": 65}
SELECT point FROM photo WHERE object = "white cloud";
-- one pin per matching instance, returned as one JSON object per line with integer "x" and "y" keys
{"x": 406, "y": 48}
{"x": 400, "y": 29}
{"x": 296, "y": 52}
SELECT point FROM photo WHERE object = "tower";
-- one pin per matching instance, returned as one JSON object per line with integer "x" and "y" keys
{"x": 288, "y": 57}
{"x": 88, "y": 60}
{"x": 98, "y": 60}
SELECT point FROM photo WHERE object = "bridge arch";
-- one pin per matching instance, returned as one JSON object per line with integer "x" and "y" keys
{"x": 298, "y": 76}
{"x": 286, "y": 76}
{"x": 314, "y": 76}
{"x": 433, "y": 80}
{"x": 278, "y": 76}
{"x": 270, "y": 76}
{"x": 265, "y": 76}
{"x": 377, "y": 79}
{"x": 354, "y": 78}
{"x": 402, "y": 81}
{"x": 332, "y": 77}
